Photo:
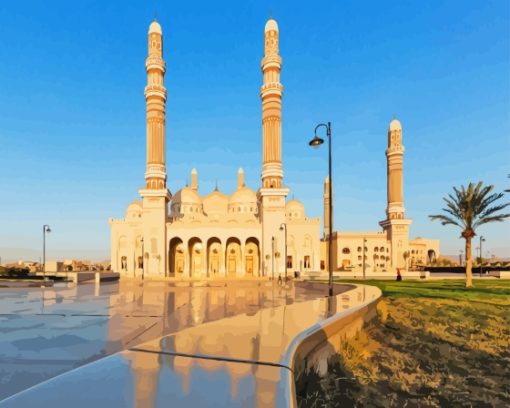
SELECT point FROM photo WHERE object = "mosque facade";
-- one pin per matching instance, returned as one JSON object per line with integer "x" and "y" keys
{"x": 250, "y": 233}
{"x": 188, "y": 235}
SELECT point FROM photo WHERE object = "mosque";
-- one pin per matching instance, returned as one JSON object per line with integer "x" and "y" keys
{"x": 248, "y": 233}
{"x": 190, "y": 235}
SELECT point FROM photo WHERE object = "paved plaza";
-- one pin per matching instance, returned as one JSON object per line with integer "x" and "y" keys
{"x": 48, "y": 331}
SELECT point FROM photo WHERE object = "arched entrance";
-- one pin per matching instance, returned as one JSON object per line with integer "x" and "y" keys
{"x": 251, "y": 257}
{"x": 196, "y": 257}
{"x": 214, "y": 257}
{"x": 233, "y": 257}
{"x": 176, "y": 257}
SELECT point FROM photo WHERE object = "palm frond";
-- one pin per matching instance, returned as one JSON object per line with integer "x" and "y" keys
{"x": 471, "y": 206}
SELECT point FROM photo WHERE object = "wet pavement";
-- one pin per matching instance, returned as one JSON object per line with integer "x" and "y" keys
{"x": 47, "y": 331}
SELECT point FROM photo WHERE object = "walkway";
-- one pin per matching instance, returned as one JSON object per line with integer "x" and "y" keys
{"x": 244, "y": 360}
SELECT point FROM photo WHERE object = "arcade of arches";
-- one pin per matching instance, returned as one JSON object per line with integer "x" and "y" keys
{"x": 213, "y": 257}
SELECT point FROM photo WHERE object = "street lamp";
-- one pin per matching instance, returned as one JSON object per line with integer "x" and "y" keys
{"x": 482, "y": 239}
{"x": 315, "y": 143}
{"x": 46, "y": 229}
{"x": 283, "y": 227}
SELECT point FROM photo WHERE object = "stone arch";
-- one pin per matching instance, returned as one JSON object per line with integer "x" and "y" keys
{"x": 252, "y": 257}
{"x": 214, "y": 257}
{"x": 308, "y": 252}
{"x": 196, "y": 257}
{"x": 122, "y": 253}
{"x": 232, "y": 257}
{"x": 431, "y": 256}
{"x": 138, "y": 255}
{"x": 176, "y": 257}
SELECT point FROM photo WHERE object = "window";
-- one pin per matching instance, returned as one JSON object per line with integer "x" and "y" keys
{"x": 140, "y": 262}
{"x": 289, "y": 261}
{"x": 307, "y": 261}
{"x": 376, "y": 249}
{"x": 359, "y": 249}
{"x": 323, "y": 265}
{"x": 346, "y": 251}
{"x": 359, "y": 258}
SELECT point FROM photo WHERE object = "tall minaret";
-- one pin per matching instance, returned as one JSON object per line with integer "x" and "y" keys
{"x": 271, "y": 94}
{"x": 395, "y": 225}
{"x": 272, "y": 194}
{"x": 155, "y": 194}
{"x": 155, "y": 97}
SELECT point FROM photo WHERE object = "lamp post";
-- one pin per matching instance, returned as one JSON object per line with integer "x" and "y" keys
{"x": 482, "y": 239}
{"x": 46, "y": 229}
{"x": 315, "y": 143}
{"x": 283, "y": 227}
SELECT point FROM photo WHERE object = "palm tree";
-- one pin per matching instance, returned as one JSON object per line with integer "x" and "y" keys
{"x": 468, "y": 209}
{"x": 406, "y": 257}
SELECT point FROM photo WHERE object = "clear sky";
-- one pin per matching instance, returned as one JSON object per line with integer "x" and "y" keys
{"x": 72, "y": 110}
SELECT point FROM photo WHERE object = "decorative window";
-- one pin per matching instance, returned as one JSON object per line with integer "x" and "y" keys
{"x": 346, "y": 251}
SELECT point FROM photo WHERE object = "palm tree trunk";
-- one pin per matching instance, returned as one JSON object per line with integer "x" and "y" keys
{"x": 469, "y": 274}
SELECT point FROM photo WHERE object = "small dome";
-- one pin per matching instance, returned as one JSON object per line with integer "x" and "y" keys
{"x": 186, "y": 195}
{"x": 271, "y": 25}
{"x": 395, "y": 125}
{"x": 155, "y": 28}
{"x": 244, "y": 195}
{"x": 295, "y": 204}
{"x": 134, "y": 208}
{"x": 295, "y": 209}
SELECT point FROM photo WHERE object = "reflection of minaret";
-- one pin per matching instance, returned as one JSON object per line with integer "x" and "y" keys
{"x": 155, "y": 194}
{"x": 272, "y": 194}
{"x": 326, "y": 207}
{"x": 395, "y": 225}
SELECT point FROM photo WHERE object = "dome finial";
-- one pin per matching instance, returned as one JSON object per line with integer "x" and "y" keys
{"x": 216, "y": 184}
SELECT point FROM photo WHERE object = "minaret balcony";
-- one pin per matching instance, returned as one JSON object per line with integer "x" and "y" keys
{"x": 155, "y": 63}
{"x": 155, "y": 90}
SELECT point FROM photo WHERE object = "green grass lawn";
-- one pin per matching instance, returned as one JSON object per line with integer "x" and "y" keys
{"x": 435, "y": 344}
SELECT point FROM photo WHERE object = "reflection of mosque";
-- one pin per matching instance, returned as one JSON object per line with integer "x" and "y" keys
{"x": 215, "y": 235}
{"x": 244, "y": 356}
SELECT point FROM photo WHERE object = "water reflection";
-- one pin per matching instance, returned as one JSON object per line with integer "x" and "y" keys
{"x": 47, "y": 331}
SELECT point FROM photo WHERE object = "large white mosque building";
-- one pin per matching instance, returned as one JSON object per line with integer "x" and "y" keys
{"x": 191, "y": 235}
{"x": 248, "y": 233}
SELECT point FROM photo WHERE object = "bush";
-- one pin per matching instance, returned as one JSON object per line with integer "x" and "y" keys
{"x": 14, "y": 272}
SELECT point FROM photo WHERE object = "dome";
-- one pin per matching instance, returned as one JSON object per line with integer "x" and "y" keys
{"x": 395, "y": 125}
{"x": 271, "y": 25}
{"x": 295, "y": 204}
{"x": 244, "y": 195}
{"x": 155, "y": 28}
{"x": 186, "y": 195}
{"x": 215, "y": 203}
{"x": 134, "y": 209}
{"x": 295, "y": 209}
{"x": 244, "y": 200}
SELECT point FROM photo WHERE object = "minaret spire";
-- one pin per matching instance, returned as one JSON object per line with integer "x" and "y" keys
{"x": 271, "y": 95}
{"x": 155, "y": 97}
{"x": 395, "y": 164}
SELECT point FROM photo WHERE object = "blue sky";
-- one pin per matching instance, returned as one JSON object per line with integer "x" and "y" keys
{"x": 72, "y": 111}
